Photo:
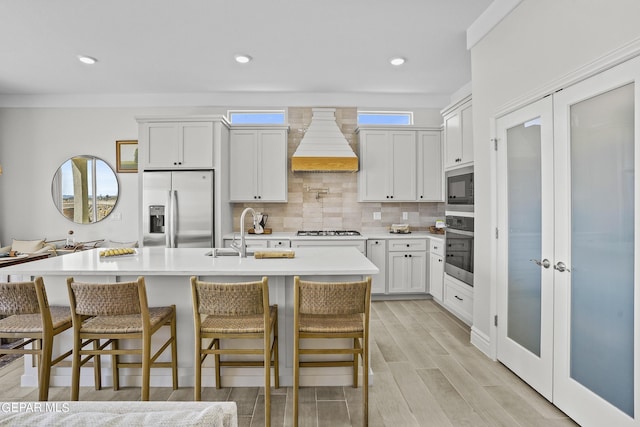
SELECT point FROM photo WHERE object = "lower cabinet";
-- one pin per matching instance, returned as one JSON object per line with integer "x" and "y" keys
{"x": 436, "y": 269}
{"x": 261, "y": 243}
{"x": 407, "y": 264}
{"x": 377, "y": 254}
{"x": 458, "y": 298}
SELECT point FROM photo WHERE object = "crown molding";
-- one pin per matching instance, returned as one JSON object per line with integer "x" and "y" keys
{"x": 491, "y": 17}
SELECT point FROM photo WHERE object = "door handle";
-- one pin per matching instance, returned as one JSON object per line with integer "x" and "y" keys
{"x": 544, "y": 263}
{"x": 561, "y": 266}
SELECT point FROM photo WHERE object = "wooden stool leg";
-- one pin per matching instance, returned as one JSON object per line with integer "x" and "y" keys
{"x": 356, "y": 344}
{"x": 146, "y": 366}
{"x": 296, "y": 376}
{"x": 198, "y": 369}
{"x": 365, "y": 381}
{"x": 97, "y": 371}
{"x": 75, "y": 367}
{"x": 45, "y": 367}
{"x": 216, "y": 346}
{"x": 267, "y": 377}
{"x": 114, "y": 366}
{"x": 174, "y": 350}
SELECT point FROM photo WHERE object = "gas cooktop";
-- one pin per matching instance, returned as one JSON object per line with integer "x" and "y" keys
{"x": 328, "y": 233}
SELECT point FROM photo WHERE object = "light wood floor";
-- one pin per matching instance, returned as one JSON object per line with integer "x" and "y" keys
{"x": 426, "y": 373}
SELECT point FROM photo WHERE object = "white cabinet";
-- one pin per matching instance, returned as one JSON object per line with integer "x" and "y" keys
{"x": 258, "y": 165}
{"x": 359, "y": 244}
{"x": 176, "y": 145}
{"x": 261, "y": 243}
{"x": 458, "y": 298}
{"x": 377, "y": 254}
{"x": 436, "y": 269}
{"x": 388, "y": 165}
{"x": 430, "y": 173}
{"x": 407, "y": 264}
{"x": 458, "y": 134}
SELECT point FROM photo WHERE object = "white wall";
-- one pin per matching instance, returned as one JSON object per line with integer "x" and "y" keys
{"x": 537, "y": 44}
{"x": 34, "y": 142}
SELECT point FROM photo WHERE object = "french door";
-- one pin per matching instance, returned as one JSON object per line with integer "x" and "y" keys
{"x": 568, "y": 256}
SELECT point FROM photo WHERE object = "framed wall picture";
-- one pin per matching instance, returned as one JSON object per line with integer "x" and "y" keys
{"x": 127, "y": 156}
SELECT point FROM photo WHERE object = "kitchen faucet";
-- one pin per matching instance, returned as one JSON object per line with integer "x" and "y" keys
{"x": 242, "y": 248}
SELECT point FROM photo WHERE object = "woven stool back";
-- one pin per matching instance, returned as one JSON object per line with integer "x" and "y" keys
{"x": 322, "y": 298}
{"x": 106, "y": 299}
{"x": 230, "y": 299}
{"x": 18, "y": 298}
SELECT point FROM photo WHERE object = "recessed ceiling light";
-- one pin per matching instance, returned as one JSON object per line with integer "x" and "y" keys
{"x": 243, "y": 59}
{"x": 397, "y": 61}
{"x": 89, "y": 60}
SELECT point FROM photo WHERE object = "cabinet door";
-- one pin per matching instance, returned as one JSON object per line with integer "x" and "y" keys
{"x": 272, "y": 166}
{"x": 436, "y": 276}
{"x": 376, "y": 166}
{"x": 196, "y": 145}
{"x": 407, "y": 272}
{"x": 403, "y": 174}
{"x": 430, "y": 176}
{"x": 279, "y": 243}
{"x": 377, "y": 254}
{"x": 452, "y": 140}
{"x": 243, "y": 165}
{"x": 161, "y": 149}
{"x": 466, "y": 130}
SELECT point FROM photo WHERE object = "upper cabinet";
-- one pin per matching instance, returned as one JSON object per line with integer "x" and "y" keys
{"x": 400, "y": 165}
{"x": 258, "y": 164}
{"x": 172, "y": 144}
{"x": 388, "y": 165}
{"x": 430, "y": 176}
{"x": 458, "y": 134}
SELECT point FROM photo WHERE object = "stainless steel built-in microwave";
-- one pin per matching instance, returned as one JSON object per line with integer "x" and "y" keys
{"x": 460, "y": 190}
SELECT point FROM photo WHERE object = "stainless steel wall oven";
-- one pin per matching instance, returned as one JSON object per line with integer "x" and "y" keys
{"x": 459, "y": 248}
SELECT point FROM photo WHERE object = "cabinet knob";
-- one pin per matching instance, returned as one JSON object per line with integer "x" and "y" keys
{"x": 391, "y": 197}
{"x": 408, "y": 245}
{"x": 421, "y": 197}
{"x": 259, "y": 197}
{"x": 405, "y": 255}
{"x": 410, "y": 255}
{"x": 439, "y": 259}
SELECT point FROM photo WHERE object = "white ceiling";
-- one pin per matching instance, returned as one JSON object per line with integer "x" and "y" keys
{"x": 186, "y": 47}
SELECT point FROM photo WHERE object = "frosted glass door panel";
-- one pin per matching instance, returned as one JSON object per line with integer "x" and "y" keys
{"x": 525, "y": 234}
{"x": 602, "y": 245}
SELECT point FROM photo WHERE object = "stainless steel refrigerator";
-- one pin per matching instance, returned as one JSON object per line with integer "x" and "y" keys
{"x": 177, "y": 209}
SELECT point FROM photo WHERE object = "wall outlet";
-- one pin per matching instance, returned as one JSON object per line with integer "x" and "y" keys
{"x": 405, "y": 215}
{"x": 377, "y": 216}
{"x": 116, "y": 216}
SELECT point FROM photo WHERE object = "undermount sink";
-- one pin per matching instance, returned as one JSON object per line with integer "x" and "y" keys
{"x": 216, "y": 252}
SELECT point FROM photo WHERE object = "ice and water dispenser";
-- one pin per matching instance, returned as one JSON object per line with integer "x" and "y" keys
{"x": 156, "y": 219}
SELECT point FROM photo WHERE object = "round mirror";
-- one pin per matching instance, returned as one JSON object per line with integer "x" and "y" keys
{"x": 85, "y": 189}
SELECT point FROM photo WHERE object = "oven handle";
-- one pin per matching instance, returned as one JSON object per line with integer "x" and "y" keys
{"x": 461, "y": 232}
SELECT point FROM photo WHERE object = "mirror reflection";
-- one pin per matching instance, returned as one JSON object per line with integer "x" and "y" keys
{"x": 85, "y": 189}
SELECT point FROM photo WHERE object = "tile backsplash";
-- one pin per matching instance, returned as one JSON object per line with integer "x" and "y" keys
{"x": 338, "y": 208}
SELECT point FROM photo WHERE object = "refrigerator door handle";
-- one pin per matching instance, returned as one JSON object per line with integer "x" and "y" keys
{"x": 173, "y": 219}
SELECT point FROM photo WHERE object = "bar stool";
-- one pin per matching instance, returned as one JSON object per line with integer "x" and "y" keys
{"x": 226, "y": 311}
{"x": 113, "y": 312}
{"x": 324, "y": 310}
{"x": 31, "y": 318}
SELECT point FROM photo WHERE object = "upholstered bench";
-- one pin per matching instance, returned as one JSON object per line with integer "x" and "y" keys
{"x": 125, "y": 414}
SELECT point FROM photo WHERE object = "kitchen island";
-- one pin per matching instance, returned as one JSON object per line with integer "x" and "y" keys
{"x": 167, "y": 275}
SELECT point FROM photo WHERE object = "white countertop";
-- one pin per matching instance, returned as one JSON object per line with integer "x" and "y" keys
{"x": 282, "y": 235}
{"x": 192, "y": 261}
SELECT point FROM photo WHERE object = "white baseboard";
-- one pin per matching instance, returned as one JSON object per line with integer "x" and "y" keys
{"x": 482, "y": 342}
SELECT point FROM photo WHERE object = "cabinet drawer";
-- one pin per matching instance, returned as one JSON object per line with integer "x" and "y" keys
{"x": 396, "y": 245}
{"x": 436, "y": 247}
{"x": 459, "y": 299}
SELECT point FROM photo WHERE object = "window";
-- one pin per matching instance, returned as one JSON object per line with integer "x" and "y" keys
{"x": 385, "y": 117}
{"x": 244, "y": 117}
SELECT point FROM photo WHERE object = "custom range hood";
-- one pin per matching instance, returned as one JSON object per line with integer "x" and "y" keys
{"x": 323, "y": 147}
